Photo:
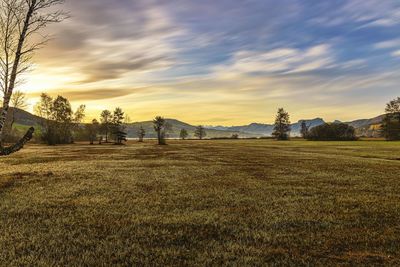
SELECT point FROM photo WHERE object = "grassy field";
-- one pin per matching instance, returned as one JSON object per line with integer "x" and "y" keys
{"x": 237, "y": 203}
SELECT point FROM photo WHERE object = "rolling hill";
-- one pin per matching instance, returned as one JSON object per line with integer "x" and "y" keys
{"x": 175, "y": 127}
{"x": 259, "y": 129}
{"x": 364, "y": 127}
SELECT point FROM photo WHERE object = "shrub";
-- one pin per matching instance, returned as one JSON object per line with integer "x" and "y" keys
{"x": 332, "y": 132}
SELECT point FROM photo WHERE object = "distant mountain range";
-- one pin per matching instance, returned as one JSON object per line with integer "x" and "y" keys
{"x": 175, "y": 127}
{"x": 259, "y": 129}
{"x": 364, "y": 127}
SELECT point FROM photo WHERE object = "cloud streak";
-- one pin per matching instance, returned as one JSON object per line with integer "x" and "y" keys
{"x": 227, "y": 57}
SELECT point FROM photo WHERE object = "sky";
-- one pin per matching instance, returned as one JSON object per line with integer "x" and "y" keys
{"x": 225, "y": 62}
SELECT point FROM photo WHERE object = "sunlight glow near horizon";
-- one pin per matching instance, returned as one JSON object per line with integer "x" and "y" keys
{"x": 227, "y": 63}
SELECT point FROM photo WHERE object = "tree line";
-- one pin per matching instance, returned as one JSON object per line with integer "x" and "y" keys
{"x": 62, "y": 125}
{"x": 390, "y": 128}
{"x": 21, "y": 20}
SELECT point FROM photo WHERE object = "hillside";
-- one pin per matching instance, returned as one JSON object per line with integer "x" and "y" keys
{"x": 364, "y": 127}
{"x": 175, "y": 127}
{"x": 368, "y": 127}
{"x": 25, "y": 118}
{"x": 259, "y": 129}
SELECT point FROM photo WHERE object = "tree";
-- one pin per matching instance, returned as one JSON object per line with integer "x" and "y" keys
{"x": 120, "y": 136}
{"x": 391, "y": 122}
{"x": 332, "y": 132}
{"x": 92, "y": 130}
{"x": 106, "y": 119}
{"x": 21, "y": 22}
{"x": 160, "y": 128}
{"x": 183, "y": 134}
{"x": 43, "y": 109}
{"x": 117, "y": 126}
{"x": 62, "y": 115}
{"x": 79, "y": 114}
{"x": 200, "y": 132}
{"x": 59, "y": 119}
{"x": 118, "y": 116}
{"x": 235, "y": 136}
{"x": 304, "y": 129}
{"x": 282, "y": 125}
{"x": 18, "y": 101}
{"x": 141, "y": 134}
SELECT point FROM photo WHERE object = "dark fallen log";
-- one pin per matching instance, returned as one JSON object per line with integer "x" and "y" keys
{"x": 5, "y": 151}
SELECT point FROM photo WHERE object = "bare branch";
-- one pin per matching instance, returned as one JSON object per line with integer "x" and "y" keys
{"x": 19, "y": 21}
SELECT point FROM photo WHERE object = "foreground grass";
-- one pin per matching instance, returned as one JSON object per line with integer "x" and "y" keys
{"x": 254, "y": 202}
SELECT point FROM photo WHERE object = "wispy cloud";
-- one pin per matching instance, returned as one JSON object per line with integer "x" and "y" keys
{"x": 107, "y": 41}
{"x": 282, "y": 60}
{"x": 228, "y": 57}
{"x": 360, "y": 13}
{"x": 394, "y": 43}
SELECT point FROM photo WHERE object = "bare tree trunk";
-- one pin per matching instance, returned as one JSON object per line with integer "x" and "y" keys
{"x": 5, "y": 151}
{"x": 7, "y": 96}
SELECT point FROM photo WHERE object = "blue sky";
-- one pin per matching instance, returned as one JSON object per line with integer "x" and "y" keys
{"x": 225, "y": 62}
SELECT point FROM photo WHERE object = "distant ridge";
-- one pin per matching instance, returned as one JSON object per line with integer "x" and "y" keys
{"x": 260, "y": 129}
{"x": 364, "y": 127}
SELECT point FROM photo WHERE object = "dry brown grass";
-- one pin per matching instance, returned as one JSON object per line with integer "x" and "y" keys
{"x": 244, "y": 202}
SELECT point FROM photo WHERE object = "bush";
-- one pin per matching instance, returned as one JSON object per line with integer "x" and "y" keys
{"x": 235, "y": 136}
{"x": 332, "y": 132}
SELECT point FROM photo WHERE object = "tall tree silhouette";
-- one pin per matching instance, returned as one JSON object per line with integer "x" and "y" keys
{"x": 21, "y": 21}
{"x": 106, "y": 119}
{"x": 200, "y": 132}
{"x": 141, "y": 133}
{"x": 391, "y": 122}
{"x": 160, "y": 127}
{"x": 304, "y": 129}
{"x": 282, "y": 125}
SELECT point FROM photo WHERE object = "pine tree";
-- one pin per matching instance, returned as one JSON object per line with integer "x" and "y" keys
{"x": 282, "y": 125}
{"x": 117, "y": 127}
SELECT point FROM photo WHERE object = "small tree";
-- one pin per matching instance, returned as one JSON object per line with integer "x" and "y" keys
{"x": 106, "y": 122}
{"x": 391, "y": 122}
{"x": 118, "y": 116}
{"x": 235, "y": 136}
{"x": 92, "y": 130}
{"x": 117, "y": 125}
{"x": 120, "y": 136}
{"x": 59, "y": 119}
{"x": 63, "y": 116}
{"x": 43, "y": 109}
{"x": 18, "y": 101}
{"x": 183, "y": 134}
{"x": 304, "y": 129}
{"x": 160, "y": 127}
{"x": 282, "y": 125}
{"x": 200, "y": 132}
{"x": 141, "y": 134}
